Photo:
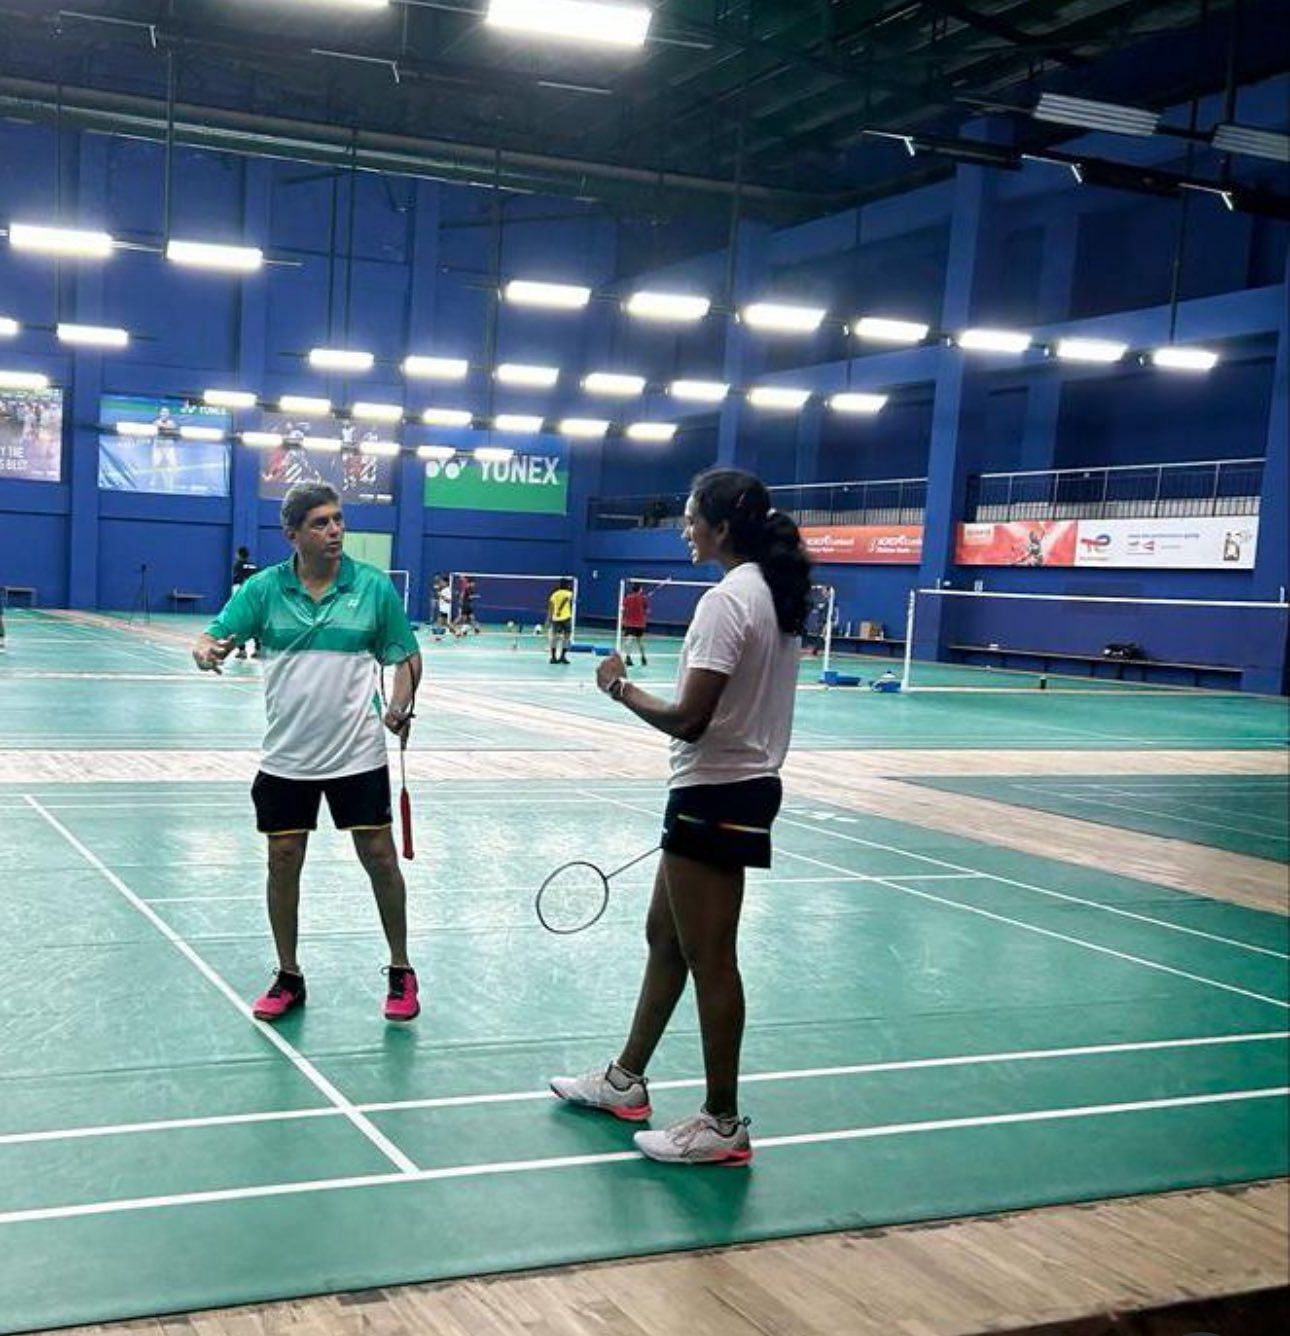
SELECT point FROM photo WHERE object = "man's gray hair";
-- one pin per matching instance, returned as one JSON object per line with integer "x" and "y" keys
{"x": 304, "y": 497}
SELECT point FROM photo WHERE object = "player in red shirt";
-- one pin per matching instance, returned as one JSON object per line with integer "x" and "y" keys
{"x": 635, "y": 621}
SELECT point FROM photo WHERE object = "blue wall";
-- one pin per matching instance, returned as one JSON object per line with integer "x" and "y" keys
{"x": 1029, "y": 248}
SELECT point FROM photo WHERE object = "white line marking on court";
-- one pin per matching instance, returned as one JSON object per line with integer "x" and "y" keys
{"x": 486, "y": 1170}
{"x": 1042, "y": 890}
{"x": 1061, "y": 936}
{"x": 1119, "y": 805}
{"x": 302, "y": 1064}
{"x": 689, "y": 1083}
{"x": 1009, "y": 881}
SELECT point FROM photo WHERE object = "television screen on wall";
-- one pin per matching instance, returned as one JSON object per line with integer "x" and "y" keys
{"x": 324, "y": 449}
{"x": 157, "y": 445}
{"x": 31, "y": 435}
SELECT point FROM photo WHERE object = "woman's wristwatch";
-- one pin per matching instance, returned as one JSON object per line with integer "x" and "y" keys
{"x": 617, "y": 688}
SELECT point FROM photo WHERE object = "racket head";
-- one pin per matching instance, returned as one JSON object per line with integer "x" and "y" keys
{"x": 572, "y": 898}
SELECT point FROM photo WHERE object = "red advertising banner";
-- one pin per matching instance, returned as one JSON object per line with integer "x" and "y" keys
{"x": 865, "y": 544}
{"x": 1020, "y": 543}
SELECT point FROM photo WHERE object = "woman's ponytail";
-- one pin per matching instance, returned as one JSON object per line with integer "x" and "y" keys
{"x": 763, "y": 534}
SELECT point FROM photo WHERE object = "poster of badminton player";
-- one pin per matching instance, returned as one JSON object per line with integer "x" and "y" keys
{"x": 164, "y": 445}
{"x": 31, "y": 434}
{"x": 324, "y": 449}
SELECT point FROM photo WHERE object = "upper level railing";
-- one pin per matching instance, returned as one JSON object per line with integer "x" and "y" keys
{"x": 885, "y": 501}
{"x": 1141, "y": 491}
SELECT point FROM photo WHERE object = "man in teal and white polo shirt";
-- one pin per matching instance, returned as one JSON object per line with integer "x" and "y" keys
{"x": 325, "y": 625}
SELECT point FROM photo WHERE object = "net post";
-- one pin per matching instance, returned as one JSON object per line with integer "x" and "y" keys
{"x": 618, "y": 618}
{"x": 573, "y": 619}
{"x": 909, "y": 640}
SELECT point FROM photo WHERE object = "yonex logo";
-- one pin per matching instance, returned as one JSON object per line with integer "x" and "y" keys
{"x": 1094, "y": 542}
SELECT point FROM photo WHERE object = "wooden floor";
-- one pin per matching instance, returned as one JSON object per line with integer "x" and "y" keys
{"x": 972, "y": 1276}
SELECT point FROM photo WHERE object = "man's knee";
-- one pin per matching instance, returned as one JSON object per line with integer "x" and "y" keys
{"x": 376, "y": 851}
{"x": 286, "y": 853}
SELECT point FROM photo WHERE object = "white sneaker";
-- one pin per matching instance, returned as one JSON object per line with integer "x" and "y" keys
{"x": 594, "y": 1090}
{"x": 697, "y": 1140}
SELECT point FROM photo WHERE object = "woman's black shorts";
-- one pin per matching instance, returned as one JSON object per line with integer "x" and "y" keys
{"x": 727, "y": 825}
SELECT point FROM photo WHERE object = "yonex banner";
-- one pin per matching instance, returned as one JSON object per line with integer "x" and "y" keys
{"x": 1199, "y": 543}
{"x": 536, "y": 483}
{"x": 865, "y": 544}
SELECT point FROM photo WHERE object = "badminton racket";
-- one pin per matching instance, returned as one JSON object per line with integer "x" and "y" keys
{"x": 405, "y": 799}
{"x": 576, "y": 895}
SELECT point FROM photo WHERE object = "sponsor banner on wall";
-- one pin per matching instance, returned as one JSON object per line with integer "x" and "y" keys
{"x": 31, "y": 434}
{"x": 1201, "y": 543}
{"x": 1204, "y": 543}
{"x": 162, "y": 461}
{"x": 865, "y": 544}
{"x": 536, "y": 483}
{"x": 1020, "y": 543}
{"x": 358, "y": 478}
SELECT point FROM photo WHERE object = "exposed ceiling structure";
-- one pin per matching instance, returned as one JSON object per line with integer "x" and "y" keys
{"x": 772, "y": 100}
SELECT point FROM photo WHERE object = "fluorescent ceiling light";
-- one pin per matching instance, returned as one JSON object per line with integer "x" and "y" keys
{"x": 535, "y": 377}
{"x": 379, "y": 449}
{"x": 524, "y": 422}
{"x": 1091, "y": 115}
{"x": 651, "y": 431}
{"x": 144, "y": 430}
{"x": 303, "y": 403}
{"x": 369, "y": 412}
{"x": 1257, "y": 143}
{"x": 1174, "y": 358}
{"x": 666, "y": 306}
{"x": 204, "y": 255}
{"x": 993, "y": 341}
{"x": 1090, "y": 350}
{"x": 262, "y": 440}
{"x": 493, "y": 454}
{"x": 93, "y": 336}
{"x": 436, "y": 368}
{"x": 557, "y": 296}
{"x": 777, "y": 396}
{"x": 783, "y": 319}
{"x": 699, "y": 391}
{"x": 858, "y": 403}
{"x": 323, "y": 445}
{"x": 66, "y": 241}
{"x": 584, "y": 427}
{"x": 8, "y": 327}
{"x": 576, "y": 20}
{"x": 201, "y": 433}
{"x": 447, "y": 417}
{"x": 340, "y": 359}
{"x": 878, "y": 329}
{"x": 23, "y": 380}
{"x": 612, "y": 383}
{"x": 439, "y": 452}
{"x": 229, "y": 399}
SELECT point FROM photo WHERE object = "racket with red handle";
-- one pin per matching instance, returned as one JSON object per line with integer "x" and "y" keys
{"x": 405, "y": 801}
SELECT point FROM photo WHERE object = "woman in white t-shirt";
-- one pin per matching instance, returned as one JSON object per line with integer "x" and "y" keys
{"x": 730, "y": 726}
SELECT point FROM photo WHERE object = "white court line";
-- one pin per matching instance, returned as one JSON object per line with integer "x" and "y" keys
{"x": 302, "y": 1064}
{"x": 131, "y": 1204}
{"x": 1119, "y": 805}
{"x": 694, "y": 1083}
{"x": 526, "y": 888}
{"x": 1041, "y": 890}
{"x": 1000, "y": 918}
{"x": 1007, "y": 881}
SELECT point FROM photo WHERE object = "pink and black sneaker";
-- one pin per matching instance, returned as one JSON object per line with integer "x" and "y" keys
{"x": 401, "y": 1002}
{"x": 286, "y": 993}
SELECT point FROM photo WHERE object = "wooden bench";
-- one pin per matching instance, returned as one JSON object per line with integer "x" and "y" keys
{"x": 25, "y": 590}
{"x": 181, "y": 598}
{"x": 1048, "y": 657}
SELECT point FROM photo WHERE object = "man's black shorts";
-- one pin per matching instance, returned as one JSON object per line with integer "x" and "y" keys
{"x": 727, "y": 825}
{"x": 356, "y": 802}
